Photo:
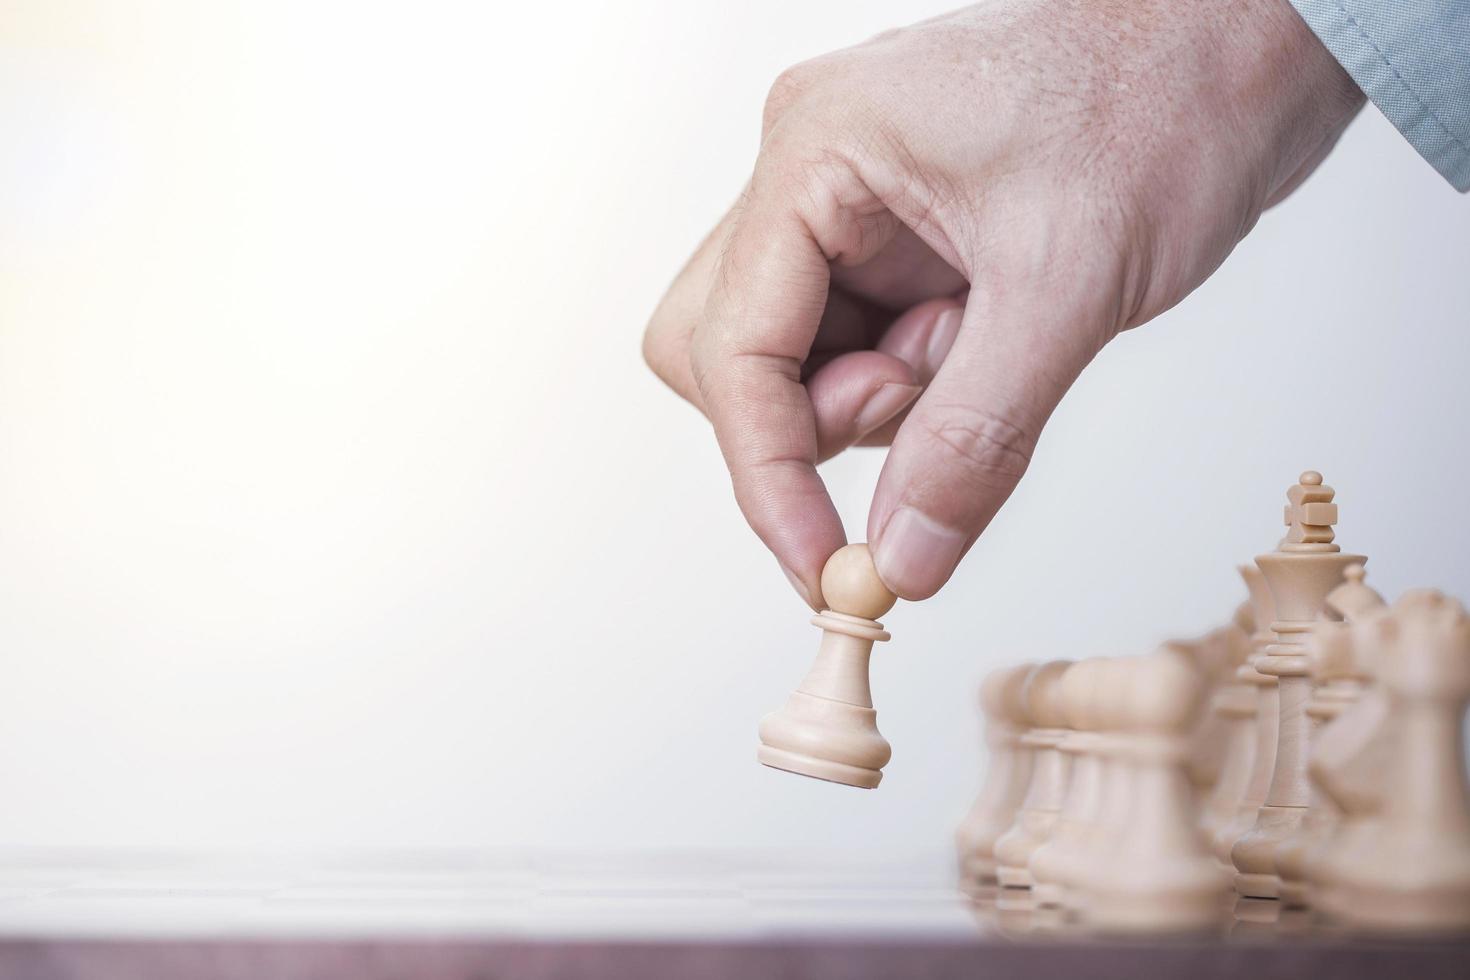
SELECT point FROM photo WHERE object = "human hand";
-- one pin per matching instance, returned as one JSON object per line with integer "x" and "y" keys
{"x": 946, "y": 223}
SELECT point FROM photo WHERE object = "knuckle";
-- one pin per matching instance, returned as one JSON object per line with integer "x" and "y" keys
{"x": 991, "y": 452}
{"x": 665, "y": 345}
{"x": 656, "y": 353}
{"x": 787, "y": 90}
{"x": 813, "y": 174}
{"x": 799, "y": 176}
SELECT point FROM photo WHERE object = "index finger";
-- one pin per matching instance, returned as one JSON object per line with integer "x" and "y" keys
{"x": 760, "y": 320}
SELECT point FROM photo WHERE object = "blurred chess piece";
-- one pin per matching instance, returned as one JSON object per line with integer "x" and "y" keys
{"x": 1354, "y": 599}
{"x": 1052, "y": 863}
{"x": 1304, "y": 568}
{"x": 1049, "y": 771}
{"x": 1090, "y": 862}
{"x": 1265, "y": 702}
{"x": 1339, "y": 677}
{"x": 1233, "y": 709}
{"x": 1157, "y": 874}
{"x": 1350, "y": 759}
{"x": 1217, "y": 654}
{"x": 828, "y": 728}
{"x": 1007, "y": 774}
{"x": 1415, "y": 876}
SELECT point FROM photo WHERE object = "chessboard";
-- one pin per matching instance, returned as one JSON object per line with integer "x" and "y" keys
{"x": 443, "y": 914}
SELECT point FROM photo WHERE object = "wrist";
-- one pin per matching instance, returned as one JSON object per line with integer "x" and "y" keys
{"x": 1285, "y": 75}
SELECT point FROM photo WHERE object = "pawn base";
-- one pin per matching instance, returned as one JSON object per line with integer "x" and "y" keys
{"x": 1388, "y": 911}
{"x": 1010, "y": 899}
{"x": 825, "y": 769}
{"x": 1049, "y": 894}
{"x": 1262, "y": 886}
{"x": 1255, "y": 918}
{"x": 1294, "y": 894}
{"x": 977, "y": 872}
{"x": 1014, "y": 877}
{"x": 1144, "y": 913}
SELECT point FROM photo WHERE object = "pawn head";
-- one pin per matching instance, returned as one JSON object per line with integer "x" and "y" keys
{"x": 1001, "y": 693}
{"x": 1077, "y": 693}
{"x": 1041, "y": 694}
{"x": 1164, "y": 692}
{"x": 850, "y": 584}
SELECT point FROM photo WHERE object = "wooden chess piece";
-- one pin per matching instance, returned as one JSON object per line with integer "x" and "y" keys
{"x": 1354, "y": 599}
{"x": 828, "y": 728}
{"x": 1266, "y": 710}
{"x": 1234, "y": 702}
{"x": 1339, "y": 677}
{"x": 1352, "y": 754}
{"x": 1052, "y": 863}
{"x": 1217, "y": 654}
{"x": 1416, "y": 876}
{"x": 1007, "y": 775}
{"x": 1304, "y": 568}
{"x": 1090, "y": 862}
{"x": 1159, "y": 875}
{"x": 1049, "y": 773}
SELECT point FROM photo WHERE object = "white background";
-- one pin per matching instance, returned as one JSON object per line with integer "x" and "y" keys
{"x": 337, "y": 506}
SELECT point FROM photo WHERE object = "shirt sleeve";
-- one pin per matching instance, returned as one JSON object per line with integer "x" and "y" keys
{"x": 1412, "y": 58}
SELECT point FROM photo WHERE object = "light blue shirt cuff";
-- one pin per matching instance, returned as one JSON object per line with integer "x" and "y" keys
{"x": 1412, "y": 58}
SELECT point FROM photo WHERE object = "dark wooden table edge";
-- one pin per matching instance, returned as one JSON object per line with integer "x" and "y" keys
{"x": 454, "y": 958}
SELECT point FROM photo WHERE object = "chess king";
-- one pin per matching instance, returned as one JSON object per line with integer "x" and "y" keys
{"x": 1305, "y": 567}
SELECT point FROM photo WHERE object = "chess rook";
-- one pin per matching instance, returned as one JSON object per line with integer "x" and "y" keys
{"x": 828, "y": 729}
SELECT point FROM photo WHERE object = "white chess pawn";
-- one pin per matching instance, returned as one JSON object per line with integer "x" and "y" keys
{"x": 1304, "y": 568}
{"x": 1354, "y": 599}
{"x": 1415, "y": 877}
{"x": 828, "y": 728}
{"x": 1007, "y": 774}
{"x": 1158, "y": 874}
{"x": 1052, "y": 863}
{"x": 1049, "y": 771}
{"x": 1090, "y": 860}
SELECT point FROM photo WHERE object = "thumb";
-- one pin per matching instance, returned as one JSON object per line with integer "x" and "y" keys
{"x": 968, "y": 440}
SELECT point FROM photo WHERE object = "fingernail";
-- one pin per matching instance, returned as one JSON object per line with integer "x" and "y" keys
{"x": 798, "y": 585}
{"x": 884, "y": 404}
{"x": 941, "y": 339}
{"x": 916, "y": 554}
